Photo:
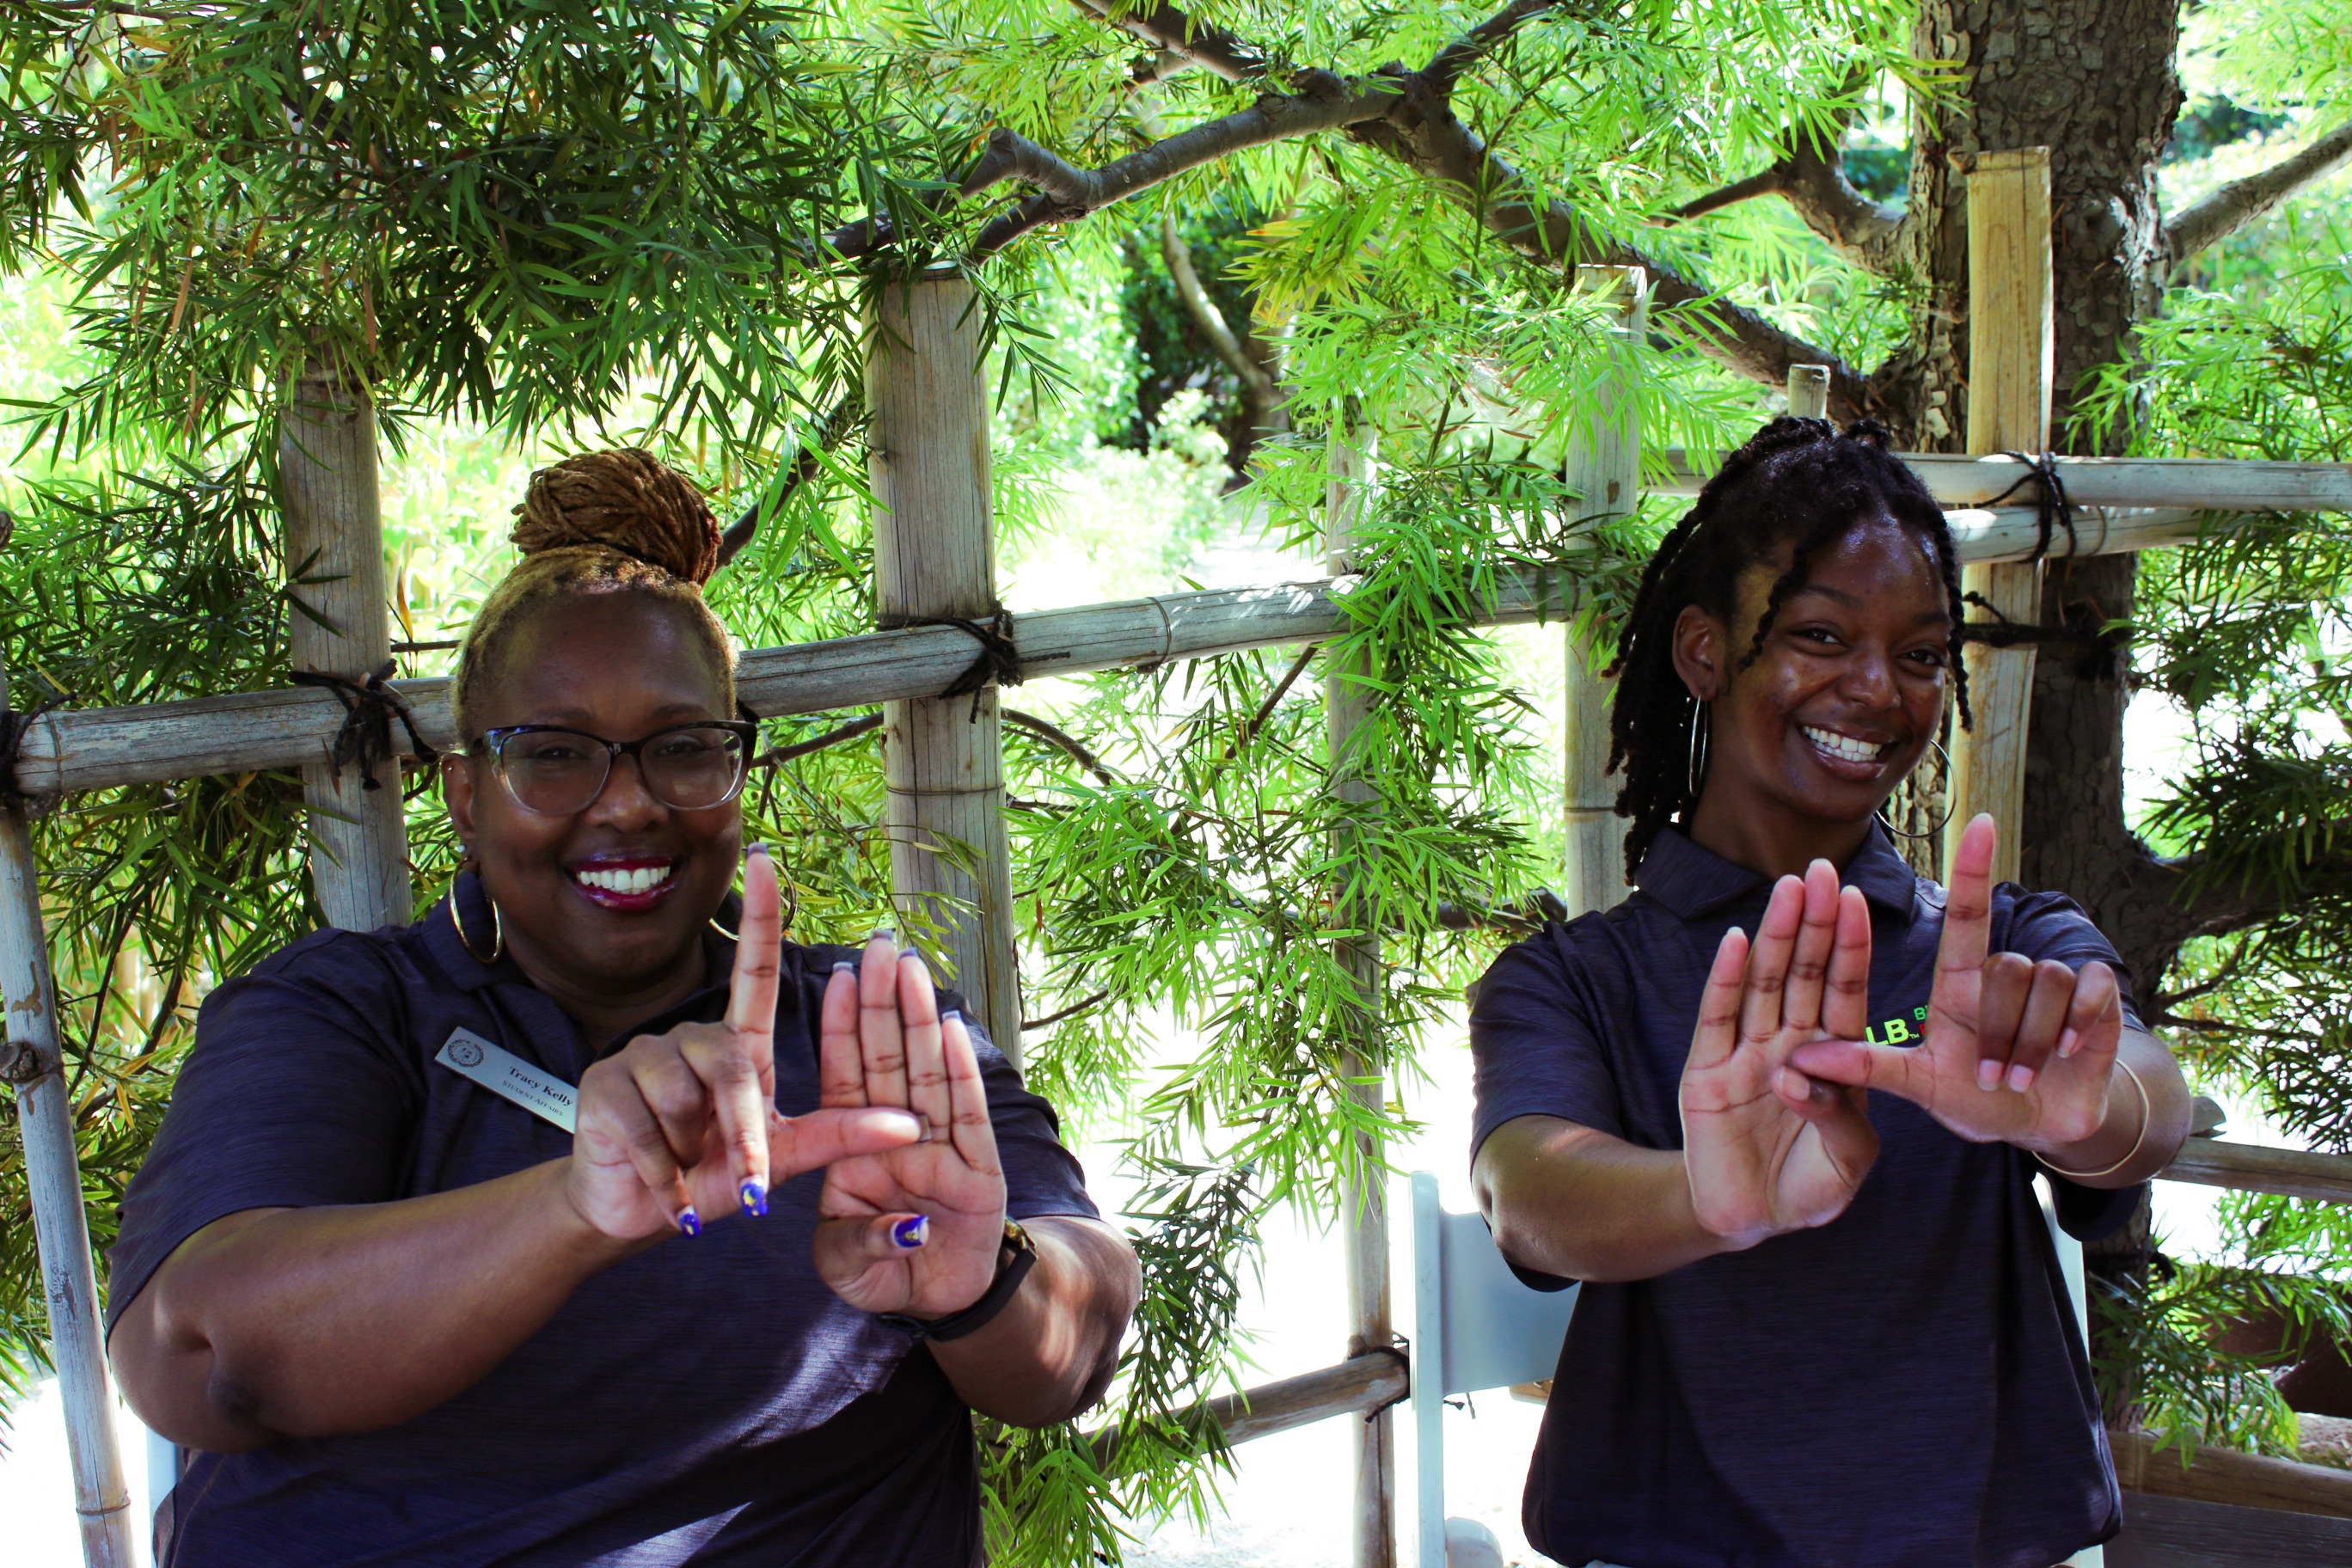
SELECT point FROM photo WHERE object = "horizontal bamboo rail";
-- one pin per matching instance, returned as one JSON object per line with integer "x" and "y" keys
{"x": 2226, "y": 1476}
{"x": 2247, "y": 1168}
{"x": 2213, "y": 484}
{"x": 69, "y": 750}
{"x": 1359, "y": 1385}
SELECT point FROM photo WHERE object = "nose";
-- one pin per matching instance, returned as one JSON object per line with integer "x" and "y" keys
{"x": 624, "y": 802}
{"x": 1868, "y": 678}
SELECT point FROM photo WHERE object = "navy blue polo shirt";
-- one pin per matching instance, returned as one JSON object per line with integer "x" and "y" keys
{"x": 707, "y": 1400}
{"x": 1903, "y": 1387}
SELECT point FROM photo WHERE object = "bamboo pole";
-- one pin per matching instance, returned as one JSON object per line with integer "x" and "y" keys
{"x": 340, "y": 626}
{"x": 2011, "y": 351}
{"x": 34, "y": 1062}
{"x": 2199, "y": 484}
{"x": 1604, "y": 470}
{"x": 101, "y": 748}
{"x": 1808, "y": 391}
{"x": 934, "y": 555}
{"x": 1347, "y": 702}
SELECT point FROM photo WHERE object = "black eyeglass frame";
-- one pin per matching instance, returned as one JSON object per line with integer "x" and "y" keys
{"x": 493, "y": 742}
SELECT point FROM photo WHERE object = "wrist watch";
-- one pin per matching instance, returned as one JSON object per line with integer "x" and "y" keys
{"x": 1015, "y": 1256}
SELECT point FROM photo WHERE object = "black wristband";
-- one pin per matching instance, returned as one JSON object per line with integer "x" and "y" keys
{"x": 1010, "y": 1272}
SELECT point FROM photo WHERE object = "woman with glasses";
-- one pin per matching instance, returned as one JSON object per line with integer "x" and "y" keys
{"x": 587, "y": 1219}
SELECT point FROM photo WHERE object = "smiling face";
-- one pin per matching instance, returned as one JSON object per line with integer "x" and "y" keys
{"x": 1844, "y": 697}
{"x": 605, "y": 907}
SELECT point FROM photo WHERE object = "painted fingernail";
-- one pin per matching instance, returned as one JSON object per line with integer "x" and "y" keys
{"x": 689, "y": 1221}
{"x": 2021, "y": 1078}
{"x": 845, "y": 967}
{"x": 755, "y": 850}
{"x": 2069, "y": 1041}
{"x": 1987, "y": 1074}
{"x": 884, "y": 933}
{"x": 911, "y": 1233}
{"x": 951, "y": 1012}
{"x": 754, "y": 1193}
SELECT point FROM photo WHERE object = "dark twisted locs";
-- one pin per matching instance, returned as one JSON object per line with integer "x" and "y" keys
{"x": 1799, "y": 485}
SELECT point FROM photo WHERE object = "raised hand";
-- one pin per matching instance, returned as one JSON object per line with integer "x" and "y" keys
{"x": 913, "y": 1229}
{"x": 1767, "y": 1148}
{"x": 2013, "y": 1051}
{"x": 678, "y": 1128}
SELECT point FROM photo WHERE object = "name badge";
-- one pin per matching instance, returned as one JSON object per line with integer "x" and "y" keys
{"x": 504, "y": 1073}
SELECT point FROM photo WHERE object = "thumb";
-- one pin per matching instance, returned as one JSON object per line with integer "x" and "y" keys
{"x": 848, "y": 1247}
{"x": 1857, "y": 1064}
{"x": 798, "y": 1144}
{"x": 1837, "y": 1116}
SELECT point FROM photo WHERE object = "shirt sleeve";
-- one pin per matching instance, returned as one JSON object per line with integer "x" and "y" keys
{"x": 2053, "y": 926}
{"x": 1534, "y": 1049}
{"x": 295, "y": 1095}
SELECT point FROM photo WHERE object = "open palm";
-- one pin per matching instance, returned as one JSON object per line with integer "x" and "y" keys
{"x": 1767, "y": 1150}
{"x": 913, "y": 1229}
{"x": 2013, "y": 1051}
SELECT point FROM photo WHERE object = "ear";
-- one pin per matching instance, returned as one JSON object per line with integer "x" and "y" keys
{"x": 457, "y": 795}
{"x": 1700, "y": 643}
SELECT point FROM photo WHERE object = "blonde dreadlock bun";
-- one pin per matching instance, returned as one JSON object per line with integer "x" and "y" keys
{"x": 618, "y": 522}
{"x": 627, "y": 501}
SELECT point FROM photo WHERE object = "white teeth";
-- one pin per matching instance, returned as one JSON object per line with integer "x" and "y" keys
{"x": 1843, "y": 747}
{"x": 635, "y": 879}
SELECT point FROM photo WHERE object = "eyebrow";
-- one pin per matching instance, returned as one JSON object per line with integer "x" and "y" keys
{"x": 1855, "y": 601}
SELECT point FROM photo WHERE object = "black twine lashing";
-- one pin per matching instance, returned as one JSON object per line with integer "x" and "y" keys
{"x": 998, "y": 662}
{"x": 14, "y": 727}
{"x": 2003, "y": 632}
{"x": 2051, "y": 506}
{"x": 369, "y": 708}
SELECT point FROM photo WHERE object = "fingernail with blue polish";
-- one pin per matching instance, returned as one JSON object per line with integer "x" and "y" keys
{"x": 754, "y": 1193}
{"x": 911, "y": 1234}
{"x": 951, "y": 1012}
{"x": 884, "y": 933}
{"x": 689, "y": 1221}
{"x": 755, "y": 850}
{"x": 845, "y": 967}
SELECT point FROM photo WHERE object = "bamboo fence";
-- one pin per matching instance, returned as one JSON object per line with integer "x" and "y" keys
{"x": 934, "y": 550}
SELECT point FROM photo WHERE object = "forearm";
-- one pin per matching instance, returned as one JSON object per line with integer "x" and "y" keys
{"x": 1051, "y": 1352}
{"x": 2149, "y": 1137}
{"x": 315, "y": 1323}
{"x": 1566, "y": 1200}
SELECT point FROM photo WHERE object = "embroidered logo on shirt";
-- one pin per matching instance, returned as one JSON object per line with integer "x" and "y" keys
{"x": 503, "y": 1073}
{"x": 1903, "y": 1029}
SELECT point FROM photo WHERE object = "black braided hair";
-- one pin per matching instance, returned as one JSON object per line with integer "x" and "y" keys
{"x": 1801, "y": 481}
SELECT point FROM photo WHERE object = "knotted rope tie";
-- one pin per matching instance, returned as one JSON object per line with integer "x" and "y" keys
{"x": 369, "y": 708}
{"x": 2051, "y": 509}
{"x": 997, "y": 663}
{"x": 14, "y": 727}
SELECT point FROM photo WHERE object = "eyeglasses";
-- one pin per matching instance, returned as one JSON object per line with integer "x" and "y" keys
{"x": 557, "y": 771}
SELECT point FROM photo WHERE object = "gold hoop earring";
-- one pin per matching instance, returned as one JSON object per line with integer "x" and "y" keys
{"x": 1938, "y": 831}
{"x": 497, "y": 929}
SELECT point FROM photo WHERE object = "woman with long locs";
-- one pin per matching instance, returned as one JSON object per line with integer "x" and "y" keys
{"x": 1782, "y": 1110}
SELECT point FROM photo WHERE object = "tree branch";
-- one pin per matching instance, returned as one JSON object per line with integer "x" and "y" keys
{"x": 836, "y": 428}
{"x": 2241, "y": 202}
{"x": 1262, "y": 400}
{"x": 1769, "y": 182}
{"x": 1454, "y": 60}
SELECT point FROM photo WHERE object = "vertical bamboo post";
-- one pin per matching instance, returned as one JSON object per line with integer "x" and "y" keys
{"x": 1604, "y": 470}
{"x": 1347, "y": 700}
{"x": 340, "y": 626}
{"x": 2011, "y": 352}
{"x": 35, "y": 1064}
{"x": 934, "y": 555}
{"x": 1808, "y": 391}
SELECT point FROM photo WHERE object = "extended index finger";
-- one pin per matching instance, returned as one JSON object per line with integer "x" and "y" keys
{"x": 758, "y": 953}
{"x": 1967, "y": 902}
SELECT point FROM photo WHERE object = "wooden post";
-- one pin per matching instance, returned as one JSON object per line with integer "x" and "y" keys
{"x": 35, "y": 1064}
{"x": 1347, "y": 700}
{"x": 334, "y": 557}
{"x": 1605, "y": 468}
{"x": 2011, "y": 350}
{"x": 934, "y": 554}
{"x": 1808, "y": 391}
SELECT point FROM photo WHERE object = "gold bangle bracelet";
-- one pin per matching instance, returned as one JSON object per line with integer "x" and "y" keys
{"x": 2147, "y": 1115}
